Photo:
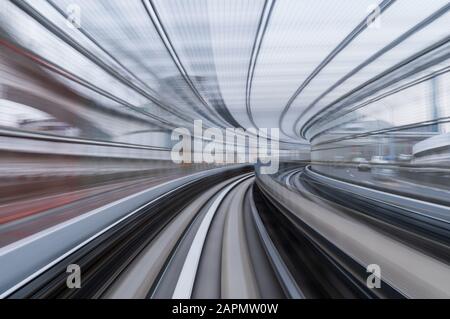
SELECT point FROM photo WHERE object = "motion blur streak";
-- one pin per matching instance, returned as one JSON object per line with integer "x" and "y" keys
{"x": 91, "y": 92}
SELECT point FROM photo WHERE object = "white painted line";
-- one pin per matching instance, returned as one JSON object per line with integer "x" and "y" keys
{"x": 387, "y": 197}
{"x": 288, "y": 178}
{"x": 46, "y": 232}
{"x": 185, "y": 283}
{"x": 74, "y": 249}
{"x": 22, "y": 242}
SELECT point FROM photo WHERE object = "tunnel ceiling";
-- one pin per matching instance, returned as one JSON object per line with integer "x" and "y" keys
{"x": 232, "y": 62}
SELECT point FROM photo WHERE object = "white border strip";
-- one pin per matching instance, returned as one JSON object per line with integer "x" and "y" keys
{"x": 389, "y": 198}
{"x": 185, "y": 283}
{"x": 43, "y": 235}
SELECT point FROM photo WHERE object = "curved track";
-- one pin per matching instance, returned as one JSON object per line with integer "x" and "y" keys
{"x": 226, "y": 236}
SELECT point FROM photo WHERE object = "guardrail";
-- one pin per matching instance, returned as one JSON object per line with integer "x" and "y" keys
{"x": 35, "y": 143}
{"x": 403, "y": 267}
{"x": 26, "y": 259}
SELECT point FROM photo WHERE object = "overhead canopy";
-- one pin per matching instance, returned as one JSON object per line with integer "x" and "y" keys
{"x": 262, "y": 63}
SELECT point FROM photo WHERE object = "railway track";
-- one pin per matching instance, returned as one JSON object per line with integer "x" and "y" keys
{"x": 225, "y": 235}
